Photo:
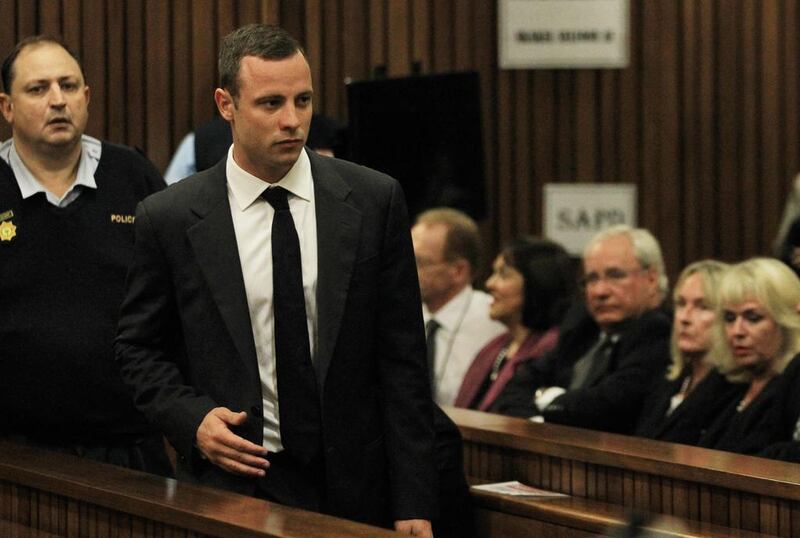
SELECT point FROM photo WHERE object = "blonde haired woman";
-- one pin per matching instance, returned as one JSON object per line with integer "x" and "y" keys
{"x": 681, "y": 406}
{"x": 759, "y": 323}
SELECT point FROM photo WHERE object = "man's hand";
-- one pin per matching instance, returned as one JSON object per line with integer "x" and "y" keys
{"x": 227, "y": 450}
{"x": 414, "y": 527}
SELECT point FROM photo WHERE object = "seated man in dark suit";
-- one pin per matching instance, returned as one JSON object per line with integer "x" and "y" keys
{"x": 610, "y": 349}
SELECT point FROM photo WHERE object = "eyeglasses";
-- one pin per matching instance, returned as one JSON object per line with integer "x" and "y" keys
{"x": 613, "y": 276}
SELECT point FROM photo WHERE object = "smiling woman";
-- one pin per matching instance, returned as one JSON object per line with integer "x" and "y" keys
{"x": 532, "y": 284}
{"x": 760, "y": 329}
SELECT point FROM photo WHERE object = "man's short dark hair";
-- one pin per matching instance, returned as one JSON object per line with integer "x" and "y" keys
{"x": 549, "y": 276}
{"x": 7, "y": 70}
{"x": 265, "y": 41}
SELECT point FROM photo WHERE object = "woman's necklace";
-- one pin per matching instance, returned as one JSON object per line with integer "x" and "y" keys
{"x": 498, "y": 362}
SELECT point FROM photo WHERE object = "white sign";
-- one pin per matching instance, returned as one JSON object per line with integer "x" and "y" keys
{"x": 563, "y": 34}
{"x": 574, "y": 212}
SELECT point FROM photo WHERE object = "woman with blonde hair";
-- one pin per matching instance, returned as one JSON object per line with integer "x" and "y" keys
{"x": 759, "y": 322}
{"x": 681, "y": 406}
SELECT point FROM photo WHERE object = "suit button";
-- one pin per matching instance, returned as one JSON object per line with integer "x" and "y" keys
{"x": 255, "y": 410}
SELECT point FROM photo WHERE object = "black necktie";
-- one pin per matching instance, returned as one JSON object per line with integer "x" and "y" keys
{"x": 430, "y": 339}
{"x": 298, "y": 396}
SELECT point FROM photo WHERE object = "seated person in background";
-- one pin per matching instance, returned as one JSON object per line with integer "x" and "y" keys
{"x": 608, "y": 356}
{"x": 447, "y": 246}
{"x": 203, "y": 148}
{"x": 66, "y": 237}
{"x": 790, "y": 248}
{"x": 532, "y": 286}
{"x": 761, "y": 327}
{"x": 680, "y": 407}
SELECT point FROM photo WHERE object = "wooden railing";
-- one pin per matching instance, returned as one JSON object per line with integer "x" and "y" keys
{"x": 692, "y": 484}
{"x": 45, "y": 495}
{"x": 702, "y": 492}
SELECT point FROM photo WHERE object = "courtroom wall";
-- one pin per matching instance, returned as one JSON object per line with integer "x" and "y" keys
{"x": 704, "y": 120}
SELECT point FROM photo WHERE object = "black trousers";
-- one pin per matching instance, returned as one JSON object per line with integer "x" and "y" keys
{"x": 291, "y": 483}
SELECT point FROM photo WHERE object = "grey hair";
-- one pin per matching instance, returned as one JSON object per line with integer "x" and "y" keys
{"x": 646, "y": 249}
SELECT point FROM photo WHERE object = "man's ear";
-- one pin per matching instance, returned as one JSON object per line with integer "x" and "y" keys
{"x": 652, "y": 278}
{"x": 225, "y": 103}
{"x": 6, "y": 107}
{"x": 462, "y": 270}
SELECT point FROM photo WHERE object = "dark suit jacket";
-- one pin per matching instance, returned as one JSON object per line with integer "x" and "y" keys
{"x": 185, "y": 342}
{"x": 611, "y": 397}
{"x": 687, "y": 422}
{"x": 766, "y": 424}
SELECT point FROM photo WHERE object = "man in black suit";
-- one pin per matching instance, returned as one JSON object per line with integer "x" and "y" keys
{"x": 203, "y": 340}
{"x": 610, "y": 349}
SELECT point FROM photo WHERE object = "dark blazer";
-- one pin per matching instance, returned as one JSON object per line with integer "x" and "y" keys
{"x": 687, "y": 422}
{"x": 185, "y": 341}
{"x": 611, "y": 396}
{"x": 765, "y": 424}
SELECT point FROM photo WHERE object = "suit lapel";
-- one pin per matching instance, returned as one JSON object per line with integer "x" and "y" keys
{"x": 338, "y": 227}
{"x": 214, "y": 243}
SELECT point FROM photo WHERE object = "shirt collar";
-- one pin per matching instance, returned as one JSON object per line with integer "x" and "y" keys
{"x": 247, "y": 188}
{"x": 449, "y": 315}
{"x": 91, "y": 150}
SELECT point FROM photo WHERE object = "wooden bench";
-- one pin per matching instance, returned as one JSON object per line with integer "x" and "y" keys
{"x": 692, "y": 484}
{"x": 45, "y": 494}
{"x": 519, "y": 517}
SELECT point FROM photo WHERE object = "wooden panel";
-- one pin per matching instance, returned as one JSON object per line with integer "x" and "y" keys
{"x": 421, "y": 28}
{"x": 377, "y": 32}
{"x": 93, "y": 53}
{"x": 157, "y": 98}
{"x": 333, "y": 80}
{"x": 135, "y": 112}
{"x": 728, "y": 126}
{"x": 50, "y": 17}
{"x": 703, "y": 119}
{"x": 586, "y": 160}
{"x": 443, "y": 42}
{"x": 705, "y": 139}
{"x": 117, "y": 96}
{"x": 204, "y": 56}
{"x": 771, "y": 149}
{"x": 398, "y": 39}
{"x": 180, "y": 55}
{"x": 717, "y": 488}
{"x": 690, "y": 204}
{"x": 524, "y": 200}
{"x": 669, "y": 184}
{"x": 48, "y": 492}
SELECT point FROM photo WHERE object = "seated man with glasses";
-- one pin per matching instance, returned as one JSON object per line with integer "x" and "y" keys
{"x": 610, "y": 349}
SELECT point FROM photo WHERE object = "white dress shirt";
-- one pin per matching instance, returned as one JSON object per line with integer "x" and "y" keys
{"x": 91, "y": 151}
{"x": 464, "y": 329}
{"x": 252, "y": 223}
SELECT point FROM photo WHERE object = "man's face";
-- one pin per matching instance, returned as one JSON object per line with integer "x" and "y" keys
{"x": 47, "y": 106}
{"x": 617, "y": 287}
{"x": 436, "y": 275}
{"x": 271, "y": 116}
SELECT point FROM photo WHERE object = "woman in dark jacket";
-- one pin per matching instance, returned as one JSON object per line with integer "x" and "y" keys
{"x": 681, "y": 406}
{"x": 761, "y": 326}
{"x": 532, "y": 284}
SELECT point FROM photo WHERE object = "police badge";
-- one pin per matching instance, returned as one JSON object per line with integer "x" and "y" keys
{"x": 7, "y": 230}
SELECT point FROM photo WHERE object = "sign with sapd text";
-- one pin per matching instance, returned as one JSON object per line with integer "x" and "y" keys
{"x": 574, "y": 212}
{"x": 563, "y": 34}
